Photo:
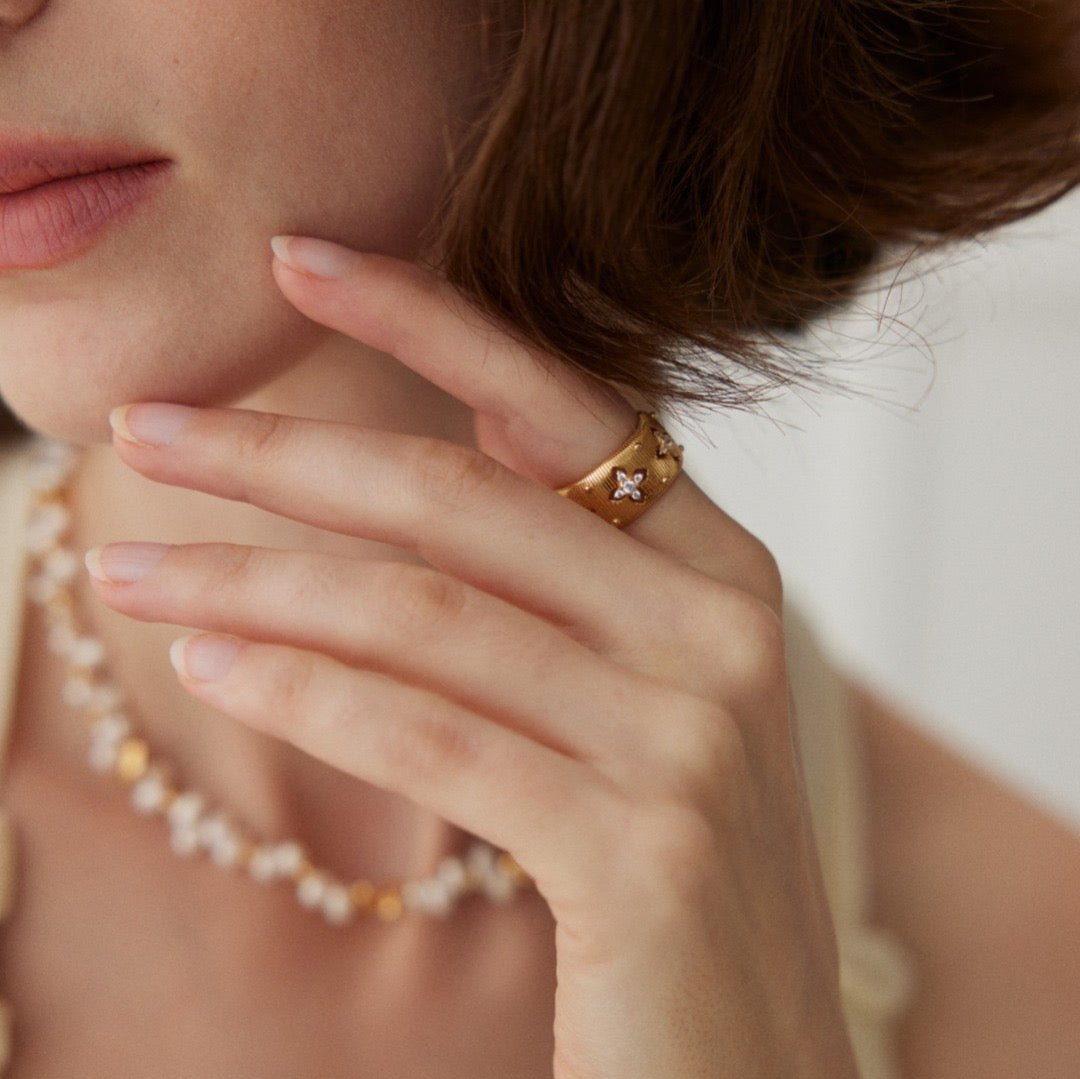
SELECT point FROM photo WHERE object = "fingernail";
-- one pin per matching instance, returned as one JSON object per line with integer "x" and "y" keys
{"x": 150, "y": 424}
{"x": 121, "y": 563}
{"x": 206, "y": 657}
{"x": 321, "y": 258}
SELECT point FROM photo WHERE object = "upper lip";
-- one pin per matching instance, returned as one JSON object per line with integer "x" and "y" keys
{"x": 27, "y": 161}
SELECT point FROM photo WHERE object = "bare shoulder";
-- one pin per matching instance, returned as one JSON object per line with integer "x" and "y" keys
{"x": 984, "y": 886}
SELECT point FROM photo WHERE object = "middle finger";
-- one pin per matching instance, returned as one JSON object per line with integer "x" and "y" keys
{"x": 408, "y": 621}
{"x": 460, "y": 510}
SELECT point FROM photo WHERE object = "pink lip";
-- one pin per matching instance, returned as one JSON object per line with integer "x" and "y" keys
{"x": 57, "y": 196}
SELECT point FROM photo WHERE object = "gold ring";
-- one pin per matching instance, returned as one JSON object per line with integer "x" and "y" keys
{"x": 635, "y": 476}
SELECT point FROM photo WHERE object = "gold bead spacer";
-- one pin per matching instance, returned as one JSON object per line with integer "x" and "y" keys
{"x": 388, "y": 904}
{"x": 132, "y": 759}
{"x": 508, "y": 864}
{"x": 362, "y": 894}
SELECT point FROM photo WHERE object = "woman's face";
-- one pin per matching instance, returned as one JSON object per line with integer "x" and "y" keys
{"x": 321, "y": 117}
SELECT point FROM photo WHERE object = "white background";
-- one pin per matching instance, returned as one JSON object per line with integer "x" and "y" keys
{"x": 929, "y": 524}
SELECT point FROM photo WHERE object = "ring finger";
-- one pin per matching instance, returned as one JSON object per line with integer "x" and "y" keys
{"x": 408, "y": 621}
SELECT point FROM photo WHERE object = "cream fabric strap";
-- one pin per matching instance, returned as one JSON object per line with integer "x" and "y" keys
{"x": 622, "y": 487}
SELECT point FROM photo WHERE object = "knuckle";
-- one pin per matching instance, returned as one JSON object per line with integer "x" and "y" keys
{"x": 453, "y": 477}
{"x": 702, "y": 757}
{"x": 681, "y": 846}
{"x": 233, "y": 567}
{"x": 260, "y": 443}
{"x": 754, "y": 644}
{"x": 287, "y": 686}
{"x": 261, "y": 434}
{"x": 762, "y": 651}
{"x": 419, "y": 602}
{"x": 322, "y": 584}
{"x": 428, "y": 744}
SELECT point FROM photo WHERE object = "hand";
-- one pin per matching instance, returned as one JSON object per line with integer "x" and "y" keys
{"x": 636, "y": 754}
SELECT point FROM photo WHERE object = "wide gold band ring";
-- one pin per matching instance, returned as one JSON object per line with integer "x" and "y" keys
{"x": 633, "y": 478}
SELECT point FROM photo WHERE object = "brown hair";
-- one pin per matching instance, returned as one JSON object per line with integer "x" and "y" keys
{"x": 664, "y": 190}
{"x": 661, "y": 191}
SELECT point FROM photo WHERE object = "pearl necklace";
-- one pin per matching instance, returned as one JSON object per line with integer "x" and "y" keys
{"x": 116, "y": 749}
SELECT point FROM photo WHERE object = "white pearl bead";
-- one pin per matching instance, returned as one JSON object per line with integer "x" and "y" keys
{"x": 86, "y": 652}
{"x": 41, "y": 588}
{"x": 148, "y": 794}
{"x": 77, "y": 691}
{"x": 50, "y": 448}
{"x": 213, "y": 829}
{"x": 60, "y": 639}
{"x": 440, "y": 899}
{"x": 262, "y": 866}
{"x": 111, "y": 727}
{"x": 434, "y": 897}
{"x": 479, "y": 861}
{"x": 184, "y": 841}
{"x": 310, "y": 889}
{"x": 38, "y": 538}
{"x": 102, "y": 755}
{"x": 226, "y": 850}
{"x": 499, "y": 887}
{"x": 185, "y": 810}
{"x": 46, "y": 524}
{"x": 105, "y": 697}
{"x": 288, "y": 857}
{"x": 451, "y": 872}
{"x": 336, "y": 905}
{"x": 51, "y": 515}
{"x": 47, "y": 475}
{"x": 61, "y": 564}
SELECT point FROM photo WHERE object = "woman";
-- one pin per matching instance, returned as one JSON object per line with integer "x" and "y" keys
{"x": 503, "y": 235}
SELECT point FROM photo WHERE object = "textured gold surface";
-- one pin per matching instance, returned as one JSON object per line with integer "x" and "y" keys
{"x": 645, "y": 465}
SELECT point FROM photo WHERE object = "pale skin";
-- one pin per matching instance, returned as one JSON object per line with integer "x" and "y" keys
{"x": 305, "y": 520}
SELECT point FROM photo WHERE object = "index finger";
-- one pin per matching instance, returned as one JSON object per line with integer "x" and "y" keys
{"x": 536, "y": 415}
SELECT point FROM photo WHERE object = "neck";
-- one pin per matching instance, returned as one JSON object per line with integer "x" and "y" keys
{"x": 271, "y": 788}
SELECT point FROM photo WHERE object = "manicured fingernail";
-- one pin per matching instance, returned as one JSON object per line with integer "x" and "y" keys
{"x": 124, "y": 562}
{"x": 321, "y": 258}
{"x": 150, "y": 424}
{"x": 206, "y": 657}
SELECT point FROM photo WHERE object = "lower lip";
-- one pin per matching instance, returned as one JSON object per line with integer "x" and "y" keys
{"x": 44, "y": 225}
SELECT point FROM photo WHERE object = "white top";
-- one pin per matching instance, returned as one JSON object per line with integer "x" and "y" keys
{"x": 877, "y": 973}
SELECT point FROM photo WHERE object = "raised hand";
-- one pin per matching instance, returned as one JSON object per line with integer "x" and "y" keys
{"x": 636, "y": 752}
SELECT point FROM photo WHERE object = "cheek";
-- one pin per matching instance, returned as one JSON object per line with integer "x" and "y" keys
{"x": 176, "y": 336}
{"x": 331, "y": 118}
{"x": 321, "y": 117}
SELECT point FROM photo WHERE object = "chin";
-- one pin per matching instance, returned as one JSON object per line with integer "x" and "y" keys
{"x": 62, "y": 375}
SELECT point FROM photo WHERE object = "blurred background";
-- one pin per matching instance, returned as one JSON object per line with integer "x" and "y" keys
{"x": 927, "y": 517}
